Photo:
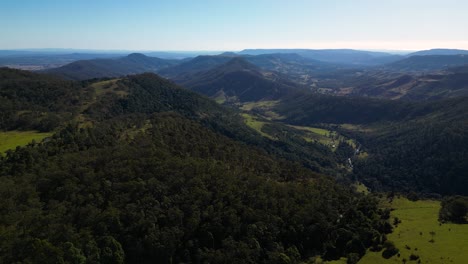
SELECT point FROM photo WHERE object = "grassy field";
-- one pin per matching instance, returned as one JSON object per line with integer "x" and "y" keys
{"x": 315, "y": 130}
{"x": 254, "y": 123}
{"x": 265, "y": 107}
{"x": 419, "y": 219}
{"x": 316, "y": 134}
{"x": 261, "y": 104}
{"x": 12, "y": 139}
{"x": 361, "y": 188}
{"x": 108, "y": 87}
{"x": 327, "y": 137}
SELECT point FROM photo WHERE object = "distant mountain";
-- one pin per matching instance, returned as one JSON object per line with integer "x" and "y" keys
{"x": 427, "y": 63}
{"x": 132, "y": 64}
{"x": 294, "y": 66}
{"x": 405, "y": 85}
{"x": 240, "y": 80}
{"x": 340, "y": 56}
{"x": 282, "y": 61}
{"x": 178, "y": 55}
{"x": 438, "y": 52}
{"x": 197, "y": 64}
{"x": 433, "y": 87}
{"x": 33, "y": 61}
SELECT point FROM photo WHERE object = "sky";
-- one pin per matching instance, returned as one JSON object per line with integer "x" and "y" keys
{"x": 176, "y": 25}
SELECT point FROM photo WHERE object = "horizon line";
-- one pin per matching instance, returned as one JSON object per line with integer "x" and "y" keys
{"x": 216, "y": 50}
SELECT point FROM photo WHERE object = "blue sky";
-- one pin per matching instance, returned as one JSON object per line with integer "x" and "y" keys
{"x": 233, "y": 24}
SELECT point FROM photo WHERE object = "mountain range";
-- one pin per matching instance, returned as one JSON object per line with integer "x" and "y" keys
{"x": 239, "y": 80}
{"x": 149, "y": 159}
{"x": 97, "y": 68}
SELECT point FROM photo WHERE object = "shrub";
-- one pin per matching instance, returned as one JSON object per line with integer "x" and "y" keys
{"x": 390, "y": 250}
{"x": 413, "y": 257}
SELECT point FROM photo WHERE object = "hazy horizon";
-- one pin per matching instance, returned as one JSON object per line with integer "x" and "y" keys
{"x": 211, "y": 25}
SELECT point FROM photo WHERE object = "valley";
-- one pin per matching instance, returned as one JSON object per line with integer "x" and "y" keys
{"x": 233, "y": 132}
{"x": 273, "y": 157}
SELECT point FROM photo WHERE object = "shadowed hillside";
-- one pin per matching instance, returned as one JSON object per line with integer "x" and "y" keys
{"x": 98, "y": 68}
{"x": 428, "y": 63}
{"x": 241, "y": 80}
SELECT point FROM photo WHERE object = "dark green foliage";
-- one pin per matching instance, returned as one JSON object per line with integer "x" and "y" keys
{"x": 390, "y": 250}
{"x": 352, "y": 258}
{"x": 454, "y": 209}
{"x": 425, "y": 155}
{"x": 313, "y": 155}
{"x": 412, "y": 146}
{"x": 312, "y": 109}
{"x": 175, "y": 193}
{"x": 242, "y": 80}
{"x": 344, "y": 151}
{"x": 165, "y": 175}
{"x": 33, "y": 101}
{"x": 413, "y": 257}
{"x": 149, "y": 93}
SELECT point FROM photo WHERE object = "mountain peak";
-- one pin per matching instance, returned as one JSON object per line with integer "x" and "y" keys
{"x": 229, "y": 54}
{"x": 438, "y": 52}
{"x": 239, "y": 64}
{"x": 136, "y": 55}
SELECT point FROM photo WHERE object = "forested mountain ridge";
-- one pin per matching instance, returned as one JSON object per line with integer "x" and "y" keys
{"x": 428, "y": 63}
{"x": 240, "y": 80}
{"x": 97, "y": 68}
{"x": 438, "y": 52}
{"x": 94, "y": 101}
{"x": 149, "y": 171}
{"x": 412, "y": 146}
{"x": 408, "y": 87}
{"x": 195, "y": 65}
{"x": 340, "y": 56}
{"x": 35, "y": 101}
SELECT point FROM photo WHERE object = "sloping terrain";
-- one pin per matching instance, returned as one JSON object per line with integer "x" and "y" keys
{"x": 340, "y": 56}
{"x": 31, "y": 101}
{"x": 98, "y": 68}
{"x": 148, "y": 171}
{"x": 427, "y": 63}
{"x": 438, "y": 52}
{"x": 195, "y": 65}
{"x": 412, "y": 146}
{"x": 240, "y": 80}
{"x": 412, "y": 87}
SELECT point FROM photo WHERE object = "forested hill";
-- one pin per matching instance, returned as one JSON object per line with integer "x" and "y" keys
{"x": 412, "y": 146}
{"x": 36, "y": 101}
{"x": 195, "y": 65}
{"x": 149, "y": 172}
{"x": 149, "y": 93}
{"x": 428, "y": 63}
{"x": 426, "y": 154}
{"x": 316, "y": 108}
{"x": 94, "y": 101}
{"x": 98, "y": 68}
{"x": 240, "y": 80}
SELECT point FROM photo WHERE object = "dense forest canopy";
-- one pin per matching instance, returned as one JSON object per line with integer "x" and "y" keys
{"x": 147, "y": 171}
{"x": 412, "y": 146}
